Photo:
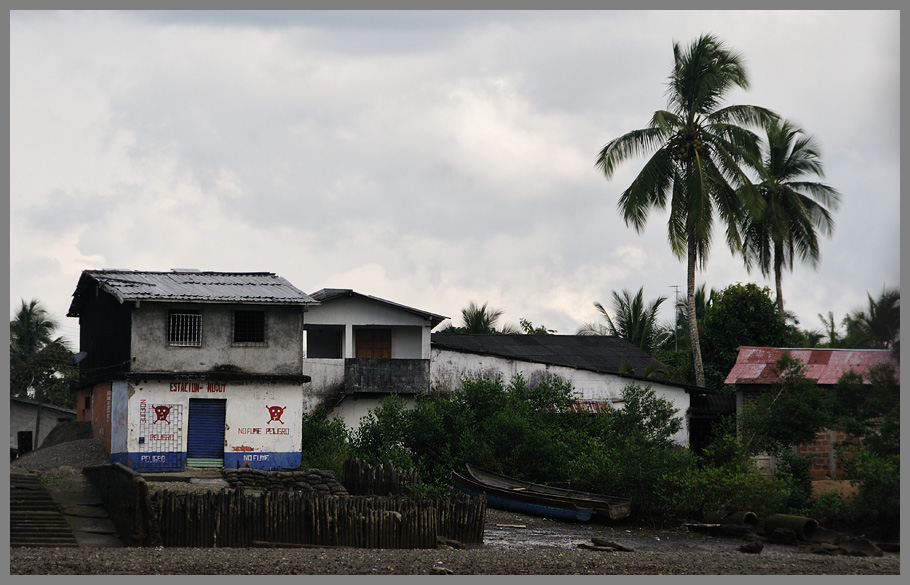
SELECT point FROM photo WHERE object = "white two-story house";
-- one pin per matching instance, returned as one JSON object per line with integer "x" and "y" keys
{"x": 360, "y": 349}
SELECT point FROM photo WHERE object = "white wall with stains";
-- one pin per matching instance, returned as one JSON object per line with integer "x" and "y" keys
{"x": 447, "y": 368}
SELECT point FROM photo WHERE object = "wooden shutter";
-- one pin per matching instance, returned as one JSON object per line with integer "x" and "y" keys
{"x": 374, "y": 343}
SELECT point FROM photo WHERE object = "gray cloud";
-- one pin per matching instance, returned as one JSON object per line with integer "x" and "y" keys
{"x": 430, "y": 158}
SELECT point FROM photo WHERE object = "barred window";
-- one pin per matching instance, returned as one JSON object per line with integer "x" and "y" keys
{"x": 184, "y": 329}
{"x": 249, "y": 327}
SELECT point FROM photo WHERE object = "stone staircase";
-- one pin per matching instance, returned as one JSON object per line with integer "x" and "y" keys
{"x": 35, "y": 519}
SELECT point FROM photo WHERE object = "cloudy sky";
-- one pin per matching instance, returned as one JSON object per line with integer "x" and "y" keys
{"x": 429, "y": 158}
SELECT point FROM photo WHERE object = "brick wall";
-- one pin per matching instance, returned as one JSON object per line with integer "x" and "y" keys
{"x": 821, "y": 451}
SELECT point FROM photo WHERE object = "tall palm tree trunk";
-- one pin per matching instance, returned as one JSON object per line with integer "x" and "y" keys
{"x": 779, "y": 276}
{"x": 690, "y": 305}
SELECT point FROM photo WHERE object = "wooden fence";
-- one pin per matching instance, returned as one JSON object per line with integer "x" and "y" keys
{"x": 231, "y": 519}
{"x": 364, "y": 479}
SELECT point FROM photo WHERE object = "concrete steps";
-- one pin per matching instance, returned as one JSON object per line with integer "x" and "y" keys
{"x": 35, "y": 519}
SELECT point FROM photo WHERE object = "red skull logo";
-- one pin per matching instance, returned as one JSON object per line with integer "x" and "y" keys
{"x": 275, "y": 412}
{"x": 162, "y": 413}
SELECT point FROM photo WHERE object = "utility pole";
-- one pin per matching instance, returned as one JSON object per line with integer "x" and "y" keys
{"x": 676, "y": 314}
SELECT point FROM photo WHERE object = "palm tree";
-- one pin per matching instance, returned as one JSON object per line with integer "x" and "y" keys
{"x": 635, "y": 321}
{"x": 479, "y": 319}
{"x": 834, "y": 339}
{"x": 696, "y": 149}
{"x": 795, "y": 209}
{"x": 703, "y": 299}
{"x": 38, "y": 360}
{"x": 879, "y": 328}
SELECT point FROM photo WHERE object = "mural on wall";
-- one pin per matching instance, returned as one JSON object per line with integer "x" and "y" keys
{"x": 266, "y": 444}
{"x": 160, "y": 433}
{"x": 275, "y": 412}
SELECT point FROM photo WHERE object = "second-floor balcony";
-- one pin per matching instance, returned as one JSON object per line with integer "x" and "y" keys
{"x": 377, "y": 375}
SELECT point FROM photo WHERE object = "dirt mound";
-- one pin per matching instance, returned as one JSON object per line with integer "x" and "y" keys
{"x": 66, "y": 432}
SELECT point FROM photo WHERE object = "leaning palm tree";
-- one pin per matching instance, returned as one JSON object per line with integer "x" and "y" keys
{"x": 796, "y": 210}
{"x": 697, "y": 150}
{"x": 634, "y": 320}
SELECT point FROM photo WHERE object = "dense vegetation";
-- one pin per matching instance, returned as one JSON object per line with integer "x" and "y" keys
{"x": 527, "y": 431}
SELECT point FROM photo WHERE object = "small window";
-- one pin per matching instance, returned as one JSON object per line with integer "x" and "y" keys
{"x": 249, "y": 327}
{"x": 184, "y": 329}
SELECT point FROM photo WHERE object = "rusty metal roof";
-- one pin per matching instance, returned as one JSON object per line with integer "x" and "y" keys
{"x": 756, "y": 365}
{"x": 189, "y": 285}
{"x": 591, "y": 406}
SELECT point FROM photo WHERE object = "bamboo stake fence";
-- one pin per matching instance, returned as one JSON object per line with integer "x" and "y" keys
{"x": 231, "y": 519}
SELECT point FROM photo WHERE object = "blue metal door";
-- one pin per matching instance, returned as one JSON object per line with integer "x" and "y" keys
{"x": 205, "y": 433}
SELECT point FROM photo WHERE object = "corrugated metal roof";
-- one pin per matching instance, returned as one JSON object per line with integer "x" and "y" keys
{"x": 591, "y": 406}
{"x": 599, "y": 353}
{"x": 185, "y": 285}
{"x": 756, "y": 365}
{"x": 329, "y": 294}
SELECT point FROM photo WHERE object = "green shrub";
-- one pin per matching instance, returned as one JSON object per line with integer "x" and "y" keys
{"x": 793, "y": 470}
{"x": 829, "y": 509}
{"x": 380, "y": 438}
{"x": 877, "y": 503}
{"x": 730, "y": 488}
{"x": 325, "y": 442}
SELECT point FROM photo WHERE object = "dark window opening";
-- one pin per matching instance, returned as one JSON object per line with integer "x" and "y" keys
{"x": 249, "y": 327}
{"x": 184, "y": 329}
{"x": 324, "y": 341}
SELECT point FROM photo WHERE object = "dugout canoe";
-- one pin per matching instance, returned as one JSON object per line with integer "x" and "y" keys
{"x": 523, "y": 502}
{"x": 606, "y": 507}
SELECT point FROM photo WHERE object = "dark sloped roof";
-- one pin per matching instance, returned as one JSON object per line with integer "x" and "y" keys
{"x": 757, "y": 365}
{"x": 186, "y": 285}
{"x": 328, "y": 294}
{"x": 599, "y": 353}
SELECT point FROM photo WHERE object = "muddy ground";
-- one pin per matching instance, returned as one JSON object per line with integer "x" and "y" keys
{"x": 511, "y": 531}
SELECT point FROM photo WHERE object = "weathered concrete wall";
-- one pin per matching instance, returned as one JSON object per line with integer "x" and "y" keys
{"x": 262, "y": 424}
{"x": 326, "y": 381}
{"x": 119, "y": 416}
{"x": 448, "y": 367}
{"x": 281, "y": 354}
